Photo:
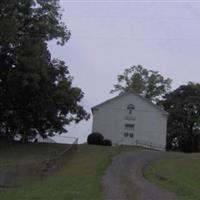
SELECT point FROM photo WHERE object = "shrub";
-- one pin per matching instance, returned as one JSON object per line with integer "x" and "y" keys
{"x": 189, "y": 143}
{"x": 107, "y": 143}
{"x": 95, "y": 138}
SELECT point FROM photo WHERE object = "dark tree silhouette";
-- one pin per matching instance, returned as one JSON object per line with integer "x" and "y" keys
{"x": 183, "y": 105}
{"x": 36, "y": 92}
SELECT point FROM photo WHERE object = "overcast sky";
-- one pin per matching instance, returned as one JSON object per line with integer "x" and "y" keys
{"x": 109, "y": 36}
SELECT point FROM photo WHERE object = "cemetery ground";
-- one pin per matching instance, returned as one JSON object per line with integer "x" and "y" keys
{"x": 80, "y": 176}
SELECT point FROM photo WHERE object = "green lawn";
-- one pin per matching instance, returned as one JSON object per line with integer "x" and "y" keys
{"x": 78, "y": 179}
{"x": 179, "y": 174}
{"x": 17, "y": 153}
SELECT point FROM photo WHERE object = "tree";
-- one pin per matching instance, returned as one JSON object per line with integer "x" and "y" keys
{"x": 148, "y": 83}
{"x": 36, "y": 92}
{"x": 183, "y": 106}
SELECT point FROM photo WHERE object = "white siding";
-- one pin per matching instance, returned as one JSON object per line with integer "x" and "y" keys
{"x": 109, "y": 119}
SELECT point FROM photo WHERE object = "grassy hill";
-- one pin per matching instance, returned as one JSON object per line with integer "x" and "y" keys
{"x": 79, "y": 178}
{"x": 15, "y": 153}
{"x": 180, "y": 174}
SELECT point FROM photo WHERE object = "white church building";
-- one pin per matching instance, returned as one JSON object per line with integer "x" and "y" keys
{"x": 130, "y": 119}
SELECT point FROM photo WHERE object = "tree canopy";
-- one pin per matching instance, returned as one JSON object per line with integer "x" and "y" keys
{"x": 148, "y": 83}
{"x": 36, "y": 92}
{"x": 183, "y": 105}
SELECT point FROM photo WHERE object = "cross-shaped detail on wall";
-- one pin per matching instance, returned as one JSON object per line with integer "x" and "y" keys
{"x": 130, "y": 108}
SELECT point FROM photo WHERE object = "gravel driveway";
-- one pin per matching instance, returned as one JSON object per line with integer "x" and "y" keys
{"x": 124, "y": 177}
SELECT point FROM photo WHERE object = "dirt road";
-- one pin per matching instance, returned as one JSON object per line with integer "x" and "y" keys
{"x": 124, "y": 177}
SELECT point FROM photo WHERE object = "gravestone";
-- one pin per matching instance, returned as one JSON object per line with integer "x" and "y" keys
{"x": 7, "y": 178}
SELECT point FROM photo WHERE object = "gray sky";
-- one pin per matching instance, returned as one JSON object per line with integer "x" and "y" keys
{"x": 109, "y": 36}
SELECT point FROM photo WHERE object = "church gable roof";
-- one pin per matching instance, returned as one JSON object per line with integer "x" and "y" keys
{"x": 127, "y": 93}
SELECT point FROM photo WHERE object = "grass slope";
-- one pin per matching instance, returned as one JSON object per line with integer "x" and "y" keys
{"x": 78, "y": 179}
{"x": 16, "y": 153}
{"x": 179, "y": 174}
